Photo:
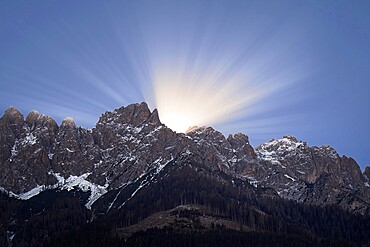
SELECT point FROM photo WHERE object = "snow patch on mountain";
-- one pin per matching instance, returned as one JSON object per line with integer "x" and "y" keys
{"x": 14, "y": 149}
{"x": 276, "y": 149}
{"x": 30, "y": 139}
{"x": 289, "y": 177}
{"x": 159, "y": 167}
{"x": 253, "y": 181}
{"x": 50, "y": 156}
{"x": 69, "y": 184}
{"x": 82, "y": 183}
{"x": 27, "y": 195}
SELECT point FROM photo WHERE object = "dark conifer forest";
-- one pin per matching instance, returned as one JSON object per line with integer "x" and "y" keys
{"x": 189, "y": 199}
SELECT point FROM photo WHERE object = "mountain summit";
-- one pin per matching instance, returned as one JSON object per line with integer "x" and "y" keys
{"x": 130, "y": 152}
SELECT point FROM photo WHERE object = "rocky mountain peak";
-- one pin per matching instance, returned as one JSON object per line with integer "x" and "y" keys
{"x": 367, "y": 172}
{"x": 154, "y": 118}
{"x": 12, "y": 115}
{"x": 286, "y": 144}
{"x": 12, "y": 111}
{"x": 38, "y": 120}
{"x": 206, "y": 133}
{"x": 350, "y": 167}
{"x": 238, "y": 136}
{"x": 200, "y": 129}
{"x": 134, "y": 114}
{"x": 291, "y": 138}
{"x": 33, "y": 116}
{"x": 191, "y": 129}
{"x": 131, "y": 141}
{"x": 241, "y": 146}
{"x": 68, "y": 122}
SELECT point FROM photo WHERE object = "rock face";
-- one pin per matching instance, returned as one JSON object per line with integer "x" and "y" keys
{"x": 130, "y": 145}
{"x": 316, "y": 175}
{"x": 24, "y": 150}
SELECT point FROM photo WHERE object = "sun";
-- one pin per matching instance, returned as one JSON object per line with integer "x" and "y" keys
{"x": 212, "y": 94}
{"x": 184, "y": 102}
{"x": 177, "y": 121}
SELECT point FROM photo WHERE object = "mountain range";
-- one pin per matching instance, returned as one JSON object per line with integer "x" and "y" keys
{"x": 132, "y": 181}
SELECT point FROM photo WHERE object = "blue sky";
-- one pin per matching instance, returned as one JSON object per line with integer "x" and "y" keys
{"x": 264, "y": 68}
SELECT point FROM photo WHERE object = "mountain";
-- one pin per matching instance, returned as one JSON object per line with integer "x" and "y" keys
{"x": 133, "y": 178}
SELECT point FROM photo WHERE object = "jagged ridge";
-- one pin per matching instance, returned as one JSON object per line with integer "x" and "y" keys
{"x": 130, "y": 144}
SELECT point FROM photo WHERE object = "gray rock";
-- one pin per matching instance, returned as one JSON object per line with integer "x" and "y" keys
{"x": 130, "y": 143}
